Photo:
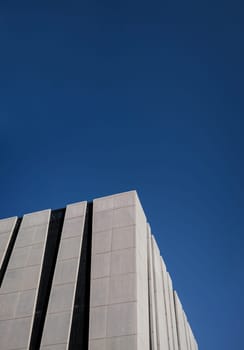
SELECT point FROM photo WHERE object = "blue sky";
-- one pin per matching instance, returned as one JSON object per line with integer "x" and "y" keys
{"x": 103, "y": 97}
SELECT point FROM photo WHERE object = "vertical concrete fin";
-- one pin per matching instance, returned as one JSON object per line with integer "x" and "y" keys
{"x": 48, "y": 267}
{"x": 79, "y": 334}
{"x": 162, "y": 332}
{"x": 152, "y": 306}
{"x": 8, "y": 232}
{"x": 142, "y": 279}
{"x": 192, "y": 346}
{"x": 119, "y": 284}
{"x": 180, "y": 323}
{"x": 18, "y": 294}
{"x": 167, "y": 305}
{"x": 186, "y": 331}
{"x": 57, "y": 326}
{"x": 189, "y": 335}
{"x": 172, "y": 311}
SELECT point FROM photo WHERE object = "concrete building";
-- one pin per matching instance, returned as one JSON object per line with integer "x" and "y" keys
{"x": 89, "y": 276}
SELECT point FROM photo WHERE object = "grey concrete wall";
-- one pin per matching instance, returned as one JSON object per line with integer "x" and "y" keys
{"x": 6, "y": 231}
{"x": 185, "y": 335}
{"x": 58, "y": 320}
{"x": 161, "y": 317}
{"x": 133, "y": 305}
{"x": 172, "y": 313}
{"x": 152, "y": 301}
{"x": 19, "y": 289}
{"x": 119, "y": 284}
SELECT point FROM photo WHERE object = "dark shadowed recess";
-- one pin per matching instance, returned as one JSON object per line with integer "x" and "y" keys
{"x": 9, "y": 249}
{"x": 79, "y": 335}
{"x": 50, "y": 257}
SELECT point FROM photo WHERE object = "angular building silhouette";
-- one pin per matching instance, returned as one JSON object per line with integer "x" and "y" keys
{"x": 87, "y": 277}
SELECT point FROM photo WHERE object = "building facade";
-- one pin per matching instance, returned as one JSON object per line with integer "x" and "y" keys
{"x": 87, "y": 277}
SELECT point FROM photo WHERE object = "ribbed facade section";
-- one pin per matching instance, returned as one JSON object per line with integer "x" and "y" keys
{"x": 89, "y": 277}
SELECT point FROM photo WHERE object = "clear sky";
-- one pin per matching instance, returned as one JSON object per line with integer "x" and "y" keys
{"x": 101, "y": 97}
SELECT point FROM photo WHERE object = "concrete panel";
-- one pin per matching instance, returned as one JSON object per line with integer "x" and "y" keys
{"x": 69, "y": 248}
{"x": 119, "y": 289}
{"x": 161, "y": 321}
{"x": 31, "y": 235}
{"x": 8, "y": 303}
{"x": 14, "y": 333}
{"x": 98, "y": 344}
{"x": 124, "y": 237}
{"x": 196, "y": 346}
{"x": 122, "y": 314}
{"x": 180, "y": 323}
{"x": 7, "y": 225}
{"x": 172, "y": 311}
{"x": 186, "y": 331}
{"x": 19, "y": 290}
{"x": 122, "y": 288}
{"x": 61, "y": 298}
{"x": 55, "y": 347}
{"x": 100, "y": 290}
{"x": 20, "y": 279}
{"x": 26, "y": 256}
{"x": 122, "y": 343}
{"x": 100, "y": 265}
{"x": 116, "y": 218}
{"x": 75, "y": 210}
{"x": 167, "y": 305}
{"x": 58, "y": 325}
{"x": 58, "y": 320}
{"x": 35, "y": 219}
{"x": 102, "y": 242}
{"x": 119, "y": 200}
{"x": 71, "y": 227}
{"x": 102, "y": 221}
{"x": 123, "y": 261}
{"x": 65, "y": 272}
{"x": 123, "y": 217}
{"x": 189, "y": 335}
{"x": 142, "y": 278}
{"x": 193, "y": 342}
{"x": 98, "y": 322}
{"x": 4, "y": 240}
{"x": 152, "y": 310}
{"x": 6, "y": 231}
{"x": 25, "y": 303}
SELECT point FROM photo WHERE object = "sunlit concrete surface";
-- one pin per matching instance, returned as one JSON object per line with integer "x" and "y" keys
{"x": 90, "y": 277}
